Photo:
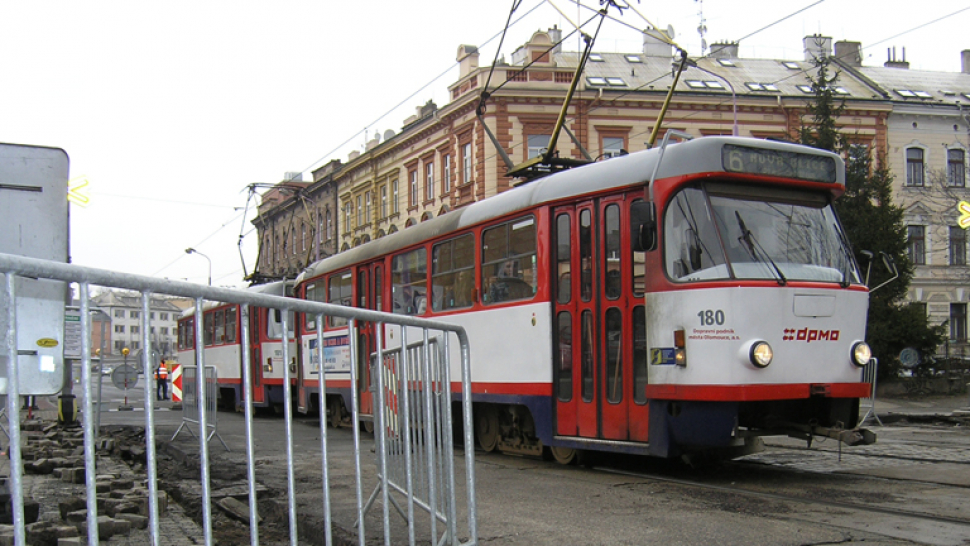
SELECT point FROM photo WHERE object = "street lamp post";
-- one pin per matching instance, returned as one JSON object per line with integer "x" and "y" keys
{"x": 191, "y": 250}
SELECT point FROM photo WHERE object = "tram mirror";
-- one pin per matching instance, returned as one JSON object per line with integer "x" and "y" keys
{"x": 643, "y": 226}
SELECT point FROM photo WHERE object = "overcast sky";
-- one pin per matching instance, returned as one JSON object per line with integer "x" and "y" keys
{"x": 170, "y": 109}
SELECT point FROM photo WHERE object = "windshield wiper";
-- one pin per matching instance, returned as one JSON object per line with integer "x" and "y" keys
{"x": 754, "y": 247}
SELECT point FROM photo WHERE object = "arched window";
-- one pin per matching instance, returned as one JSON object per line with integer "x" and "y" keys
{"x": 427, "y": 216}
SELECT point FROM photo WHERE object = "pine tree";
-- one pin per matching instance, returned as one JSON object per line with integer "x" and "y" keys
{"x": 873, "y": 223}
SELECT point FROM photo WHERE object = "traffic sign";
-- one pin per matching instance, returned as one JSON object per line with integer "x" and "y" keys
{"x": 124, "y": 377}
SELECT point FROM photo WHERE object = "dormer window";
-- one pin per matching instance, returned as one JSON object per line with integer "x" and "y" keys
{"x": 633, "y": 58}
{"x": 790, "y": 65}
{"x": 726, "y": 62}
{"x": 807, "y": 89}
{"x": 616, "y": 82}
{"x": 707, "y": 84}
{"x": 596, "y": 57}
{"x": 596, "y": 80}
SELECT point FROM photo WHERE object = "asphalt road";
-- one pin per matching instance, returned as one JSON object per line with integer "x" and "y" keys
{"x": 887, "y": 494}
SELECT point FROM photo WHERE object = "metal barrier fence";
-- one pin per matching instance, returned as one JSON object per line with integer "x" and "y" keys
{"x": 415, "y": 458}
{"x": 190, "y": 405}
{"x": 869, "y": 375}
{"x": 427, "y": 386}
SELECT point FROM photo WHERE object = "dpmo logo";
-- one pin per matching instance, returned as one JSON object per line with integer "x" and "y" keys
{"x": 809, "y": 336}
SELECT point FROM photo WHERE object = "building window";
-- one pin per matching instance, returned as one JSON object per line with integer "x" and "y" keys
{"x": 446, "y": 174}
{"x": 302, "y": 237}
{"x": 466, "y": 163}
{"x": 914, "y": 167}
{"x": 383, "y": 201}
{"x": 413, "y": 192}
{"x": 135, "y": 329}
{"x": 367, "y": 214}
{"x": 119, "y": 313}
{"x": 429, "y": 181}
{"x": 395, "y": 201}
{"x": 360, "y": 211}
{"x": 956, "y": 170}
{"x": 163, "y": 316}
{"x": 612, "y": 146}
{"x": 538, "y": 144}
{"x": 917, "y": 244}
{"x": 320, "y": 238}
{"x": 151, "y": 315}
{"x": 119, "y": 328}
{"x": 293, "y": 241}
{"x": 163, "y": 331}
{"x": 135, "y": 345}
{"x": 119, "y": 345}
{"x": 958, "y": 321}
{"x": 133, "y": 314}
{"x": 958, "y": 246}
{"x": 346, "y": 217}
{"x": 329, "y": 225}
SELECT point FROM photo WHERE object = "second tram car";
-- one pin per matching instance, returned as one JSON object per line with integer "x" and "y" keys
{"x": 685, "y": 299}
{"x": 222, "y": 343}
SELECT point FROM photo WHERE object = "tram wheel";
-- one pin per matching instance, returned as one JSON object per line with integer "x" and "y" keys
{"x": 486, "y": 428}
{"x": 564, "y": 455}
{"x": 368, "y": 426}
{"x": 336, "y": 412}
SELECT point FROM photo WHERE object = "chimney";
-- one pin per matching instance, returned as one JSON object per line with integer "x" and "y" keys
{"x": 893, "y": 62}
{"x": 849, "y": 53}
{"x": 555, "y": 34}
{"x": 817, "y": 46}
{"x": 724, "y": 50}
{"x": 655, "y": 46}
{"x": 965, "y": 61}
{"x": 467, "y": 59}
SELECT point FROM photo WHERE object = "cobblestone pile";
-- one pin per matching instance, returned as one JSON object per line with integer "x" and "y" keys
{"x": 54, "y": 490}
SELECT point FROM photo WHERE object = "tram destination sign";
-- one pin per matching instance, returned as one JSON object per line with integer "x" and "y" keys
{"x": 742, "y": 159}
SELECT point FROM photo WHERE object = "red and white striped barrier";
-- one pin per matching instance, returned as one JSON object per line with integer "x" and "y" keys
{"x": 177, "y": 384}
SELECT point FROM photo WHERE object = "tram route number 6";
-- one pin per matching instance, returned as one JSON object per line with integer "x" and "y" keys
{"x": 711, "y": 317}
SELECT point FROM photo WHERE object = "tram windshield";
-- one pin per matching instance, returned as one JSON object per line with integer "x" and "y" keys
{"x": 721, "y": 231}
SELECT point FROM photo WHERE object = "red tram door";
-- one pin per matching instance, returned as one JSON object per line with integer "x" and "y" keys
{"x": 369, "y": 296}
{"x": 591, "y": 312}
{"x": 255, "y": 353}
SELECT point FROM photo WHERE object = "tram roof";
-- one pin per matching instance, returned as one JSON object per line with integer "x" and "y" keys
{"x": 275, "y": 288}
{"x": 700, "y": 155}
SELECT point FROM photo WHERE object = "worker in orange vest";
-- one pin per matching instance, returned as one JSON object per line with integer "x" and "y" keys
{"x": 161, "y": 381}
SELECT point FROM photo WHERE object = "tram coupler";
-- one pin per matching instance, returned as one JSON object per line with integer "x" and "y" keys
{"x": 851, "y": 437}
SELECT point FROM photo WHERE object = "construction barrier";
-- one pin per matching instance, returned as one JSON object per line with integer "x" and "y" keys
{"x": 177, "y": 384}
{"x": 414, "y": 429}
{"x": 195, "y": 405}
{"x": 869, "y": 374}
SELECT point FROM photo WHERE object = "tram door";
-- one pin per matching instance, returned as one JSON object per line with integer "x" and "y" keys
{"x": 369, "y": 296}
{"x": 255, "y": 352}
{"x": 590, "y": 314}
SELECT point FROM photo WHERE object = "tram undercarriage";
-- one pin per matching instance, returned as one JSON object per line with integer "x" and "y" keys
{"x": 686, "y": 429}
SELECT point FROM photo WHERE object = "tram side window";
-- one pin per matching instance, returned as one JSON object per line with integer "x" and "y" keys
{"x": 563, "y": 259}
{"x": 564, "y": 357}
{"x": 639, "y": 355}
{"x": 341, "y": 293}
{"x": 453, "y": 273}
{"x": 691, "y": 248}
{"x": 638, "y": 263}
{"x": 207, "y": 330}
{"x": 231, "y": 325}
{"x": 509, "y": 261}
{"x": 613, "y": 257}
{"x": 409, "y": 274}
{"x": 314, "y": 292}
{"x": 187, "y": 334}
{"x": 219, "y": 321}
{"x": 614, "y": 355}
{"x": 274, "y": 324}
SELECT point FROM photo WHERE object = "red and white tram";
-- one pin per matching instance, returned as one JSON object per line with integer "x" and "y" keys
{"x": 222, "y": 343}
{"x": 684, "y": 299}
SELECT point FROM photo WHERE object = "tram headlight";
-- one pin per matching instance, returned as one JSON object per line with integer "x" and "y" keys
{"x": 761, "y": 354}
{"x": 861, "y": 354}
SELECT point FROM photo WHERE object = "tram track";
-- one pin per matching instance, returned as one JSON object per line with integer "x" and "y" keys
{"x": 877, "y": 519}
{"x": 885, "y": 456}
